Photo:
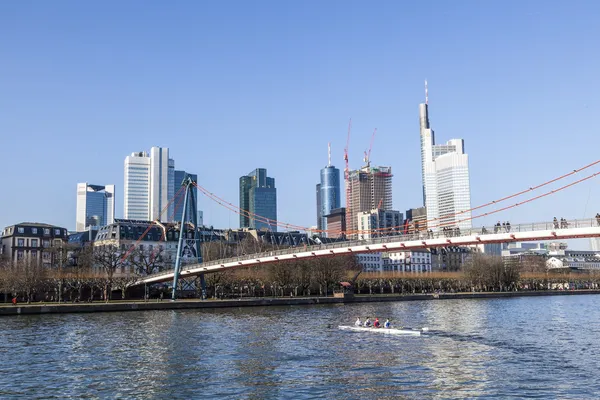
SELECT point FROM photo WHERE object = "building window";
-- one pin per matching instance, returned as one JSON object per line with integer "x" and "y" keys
{"x": 34, "y": 243}
{"x": 57, "y": 232}
{"x": 20, "y": 242}
{"x": 21, "y": 230}
{"x": 34, "y": 231}
{"x": 34, "y": 253}
{"x": 46, "y": 256}
{"x": 46, "y": 231}
{"x": 46, "y": 243}
{"x": 20, "y": 255}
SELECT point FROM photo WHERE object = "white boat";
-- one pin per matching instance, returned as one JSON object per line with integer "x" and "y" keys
{"x": 388, "y": 331}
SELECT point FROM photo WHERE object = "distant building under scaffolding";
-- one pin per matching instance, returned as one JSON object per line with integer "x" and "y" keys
{"x": 371, "y": 188}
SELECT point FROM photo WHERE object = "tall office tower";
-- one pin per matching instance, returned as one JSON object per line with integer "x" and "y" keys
{"x": 371, "y": 189}
{"x": 445, "y": 169}
{"x": 330, "y": 191}
{"x": 319, "y": 214}
{"x": 137, "y": 186}
{"x": 178, "y": 204}
{"x": 427, "y": 139}
{"x": 258, "y": 197}
{"x": 149, "y": 185}
{"x": 95, "y": 206}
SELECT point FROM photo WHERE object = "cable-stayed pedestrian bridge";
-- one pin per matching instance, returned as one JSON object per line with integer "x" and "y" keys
{"x": 573, "y": 229}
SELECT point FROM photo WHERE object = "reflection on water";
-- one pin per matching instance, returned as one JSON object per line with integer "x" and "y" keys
{"x": 523, "y": 347}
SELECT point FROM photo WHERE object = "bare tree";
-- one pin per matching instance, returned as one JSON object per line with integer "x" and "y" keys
{"x": 29, "y": 277}
{"x": 327, "y": 271}
{"x": 533, "y": 263}
{"x": 7, "y": 277}
{"x": 281, "y": 275}
{"x": 147, "y": 262}
{"x": 303, "y": 276}
{"x": 109, "y": 259}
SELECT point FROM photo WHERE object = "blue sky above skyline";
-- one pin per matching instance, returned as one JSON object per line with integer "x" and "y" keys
{"x": 232, "y": 86}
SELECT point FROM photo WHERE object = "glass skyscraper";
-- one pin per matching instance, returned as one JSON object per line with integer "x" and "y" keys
{"x": 258, "y": 196}
{"x": 329, "y": 193}
{"x": 95, "y": 206}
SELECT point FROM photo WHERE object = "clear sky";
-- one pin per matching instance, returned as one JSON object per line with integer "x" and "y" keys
{"x": 230, "y": 86}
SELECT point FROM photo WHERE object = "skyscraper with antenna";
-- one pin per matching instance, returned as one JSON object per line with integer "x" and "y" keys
{"x": 445, "y": 169}
{"x": 330, "y": 197}
{"x": 427, "y": 138}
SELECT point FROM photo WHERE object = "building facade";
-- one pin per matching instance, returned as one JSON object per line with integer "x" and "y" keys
{"x": 336, "y": 223}
{"x": 149, "y": 185}
{"x": 95, "y": 206}
{"x": 451, "y": 258}
{"x": 34, "y": 242}
{"x": 158, "y": 245}
{"x": 377, "y": 223}
{"x": 178, "y": 204}
{"x": 371, "y": 188}
{"x": 416, "y": 219}
{"x": 401, "y": 261}
{"x": 445, "y": 177}
{"x": 407, "y": 261}
{"x": 258, "y": 198}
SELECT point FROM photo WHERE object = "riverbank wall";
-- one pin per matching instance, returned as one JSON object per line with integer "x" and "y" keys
{"x": 54, "y": 308}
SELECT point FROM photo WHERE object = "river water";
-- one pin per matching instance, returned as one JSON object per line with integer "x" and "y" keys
{"x": 543, "y": 347}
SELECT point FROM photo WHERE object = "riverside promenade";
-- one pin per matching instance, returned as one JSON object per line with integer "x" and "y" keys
{"x": 186, "y": 304}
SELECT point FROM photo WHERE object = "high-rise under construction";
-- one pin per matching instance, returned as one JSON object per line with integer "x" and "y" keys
{"x": 370, "y": 188}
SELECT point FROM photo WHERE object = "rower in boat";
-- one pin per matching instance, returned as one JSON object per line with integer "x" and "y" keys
{"x": 376, "y": 323}
{"x": 358, "y": 322}
{"x": 368, "y": 322}
{"x": 387, "y": 324}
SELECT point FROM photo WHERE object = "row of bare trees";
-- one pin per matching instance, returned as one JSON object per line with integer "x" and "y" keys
{"x": 87, "y": 274}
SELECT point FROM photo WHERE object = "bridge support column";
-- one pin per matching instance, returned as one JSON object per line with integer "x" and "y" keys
{"x": 190, "y": 240}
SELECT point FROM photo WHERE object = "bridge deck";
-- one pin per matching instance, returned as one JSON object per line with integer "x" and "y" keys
{"x": 518, "y": 233}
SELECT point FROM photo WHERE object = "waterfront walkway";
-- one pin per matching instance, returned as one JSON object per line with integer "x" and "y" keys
{"x": 7, "y": 309}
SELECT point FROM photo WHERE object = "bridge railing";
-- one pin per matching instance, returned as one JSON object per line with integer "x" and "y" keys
{"x": 395, "y": 236}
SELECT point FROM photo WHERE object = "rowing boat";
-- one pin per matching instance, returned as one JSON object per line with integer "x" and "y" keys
{"x": 388, "y": 331}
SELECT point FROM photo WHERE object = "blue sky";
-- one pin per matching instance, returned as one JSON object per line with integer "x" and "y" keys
{"x": 230, "y": 86}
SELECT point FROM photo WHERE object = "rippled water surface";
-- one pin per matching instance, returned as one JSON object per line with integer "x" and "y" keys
{"x": 544, "y": 347}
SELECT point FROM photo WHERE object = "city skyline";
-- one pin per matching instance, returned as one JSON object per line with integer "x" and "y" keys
{"x": 500, "y": 102}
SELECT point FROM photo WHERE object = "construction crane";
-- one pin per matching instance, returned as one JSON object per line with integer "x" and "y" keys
{"x": 367, "y": 158}
{"x": 347, "y": 179}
